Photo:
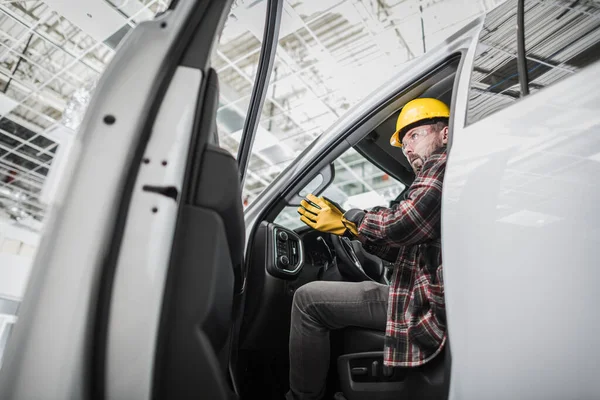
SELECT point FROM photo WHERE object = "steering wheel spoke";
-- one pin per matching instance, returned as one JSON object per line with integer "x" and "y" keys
{"x": 349, "y": 265}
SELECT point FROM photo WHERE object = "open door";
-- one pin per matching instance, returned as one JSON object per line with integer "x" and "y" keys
{"x": 137, "y": 279}
{"x": 201, "y": 314}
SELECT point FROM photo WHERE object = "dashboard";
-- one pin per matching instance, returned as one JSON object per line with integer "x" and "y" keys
{"x": 317, "y": 257}
{"x": 288, "y": 252}
{"x": 281, "y": 261}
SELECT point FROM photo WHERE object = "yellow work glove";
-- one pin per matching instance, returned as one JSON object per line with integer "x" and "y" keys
{"x": 324, "y": 215}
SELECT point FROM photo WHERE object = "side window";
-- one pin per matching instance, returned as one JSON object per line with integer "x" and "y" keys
{"x": 561, "y": 37}
{"x": 357, "y": 184}
{"x": 236, "y": 61}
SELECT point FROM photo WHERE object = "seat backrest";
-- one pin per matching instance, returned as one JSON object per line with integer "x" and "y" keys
{"x": 206, "y": 269}
{"x": 222, "y": 195}
{"x": 217, "y": 182}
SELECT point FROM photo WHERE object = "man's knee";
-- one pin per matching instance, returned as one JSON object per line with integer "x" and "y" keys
{"x": 308, "y": 294}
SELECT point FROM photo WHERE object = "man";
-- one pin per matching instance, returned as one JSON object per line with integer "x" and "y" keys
{"x": 411, "y": 310}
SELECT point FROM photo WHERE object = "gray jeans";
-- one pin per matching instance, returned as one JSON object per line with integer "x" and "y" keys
{"x": 319, "y": 307}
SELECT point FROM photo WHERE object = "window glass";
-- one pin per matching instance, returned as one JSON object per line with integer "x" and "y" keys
{"x": 312, "y": 185}
{"x": 561, "y": 37}
{"x": 236, "y": 61}
{"x": 357, "y": 184}
{"x": 494, "y": 81}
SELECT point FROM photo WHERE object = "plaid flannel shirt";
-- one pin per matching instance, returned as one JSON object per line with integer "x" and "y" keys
{"x": 408, "y": 234}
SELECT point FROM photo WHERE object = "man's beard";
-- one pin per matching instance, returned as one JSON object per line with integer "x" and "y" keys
{"x": 416, "y": 163}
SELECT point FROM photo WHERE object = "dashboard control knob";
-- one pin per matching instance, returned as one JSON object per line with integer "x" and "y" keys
{"x": 284, "y": 261}
{"x": 282, "y": 236}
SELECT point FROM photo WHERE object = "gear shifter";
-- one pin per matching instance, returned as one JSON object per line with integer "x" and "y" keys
{"x": 329, "y": 263}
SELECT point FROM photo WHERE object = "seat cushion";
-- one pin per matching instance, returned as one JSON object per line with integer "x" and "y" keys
{"x": 362, "y": 340}
{"x": 426, "y": 382}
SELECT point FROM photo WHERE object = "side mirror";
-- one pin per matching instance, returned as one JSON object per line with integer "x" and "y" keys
{"x": 315, "y": 186}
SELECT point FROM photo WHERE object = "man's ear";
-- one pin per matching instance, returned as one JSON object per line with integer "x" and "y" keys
{"x": 444, "y": 134}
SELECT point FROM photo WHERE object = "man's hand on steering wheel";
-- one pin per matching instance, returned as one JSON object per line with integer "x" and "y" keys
{"x": 325, "y": 215}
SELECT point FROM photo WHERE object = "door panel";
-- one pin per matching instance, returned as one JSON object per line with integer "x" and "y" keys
{"x": 63, "y": 339}
{"x": 142, "y": 265}
{"x": 520, "y": 228}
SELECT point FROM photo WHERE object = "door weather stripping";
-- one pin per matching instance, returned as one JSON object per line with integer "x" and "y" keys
{"x": 259, "y": 91}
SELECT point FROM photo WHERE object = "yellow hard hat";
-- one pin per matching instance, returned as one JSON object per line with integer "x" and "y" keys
{"x": 415, "y": 111}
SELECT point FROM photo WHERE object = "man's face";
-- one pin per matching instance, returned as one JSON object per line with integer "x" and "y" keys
{"x": 420, "y": 142}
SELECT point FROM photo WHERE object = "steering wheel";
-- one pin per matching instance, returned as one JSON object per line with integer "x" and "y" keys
{"x": 349, "y": 264}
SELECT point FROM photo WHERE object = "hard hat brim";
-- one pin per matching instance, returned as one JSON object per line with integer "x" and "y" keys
{"x": 395, "y": 139}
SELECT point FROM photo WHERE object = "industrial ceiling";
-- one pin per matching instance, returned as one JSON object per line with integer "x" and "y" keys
{"x": 330, "y": 55}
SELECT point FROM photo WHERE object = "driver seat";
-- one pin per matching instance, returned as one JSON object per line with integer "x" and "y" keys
{"x": 362, "y": 375}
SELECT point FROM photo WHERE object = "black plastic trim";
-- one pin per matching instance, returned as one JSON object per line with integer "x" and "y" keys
{"x": 521, "y": 59}
{"x": 273, "y": 267}
{"x": 377, "y": 383}
{"x": 451, "y": 121}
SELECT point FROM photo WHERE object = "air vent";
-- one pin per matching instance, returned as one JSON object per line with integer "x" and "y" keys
{"x": 294, "y": 256}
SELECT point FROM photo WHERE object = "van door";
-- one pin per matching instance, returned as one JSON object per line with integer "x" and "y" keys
{"x": 136, "y": 218}
{"x": 520, "y": 208}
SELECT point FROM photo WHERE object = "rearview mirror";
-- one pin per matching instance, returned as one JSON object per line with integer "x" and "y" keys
{"x": 315, "y": 186}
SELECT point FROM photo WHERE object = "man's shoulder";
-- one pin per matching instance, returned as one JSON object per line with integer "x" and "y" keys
{"x": 439, "y": 156}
